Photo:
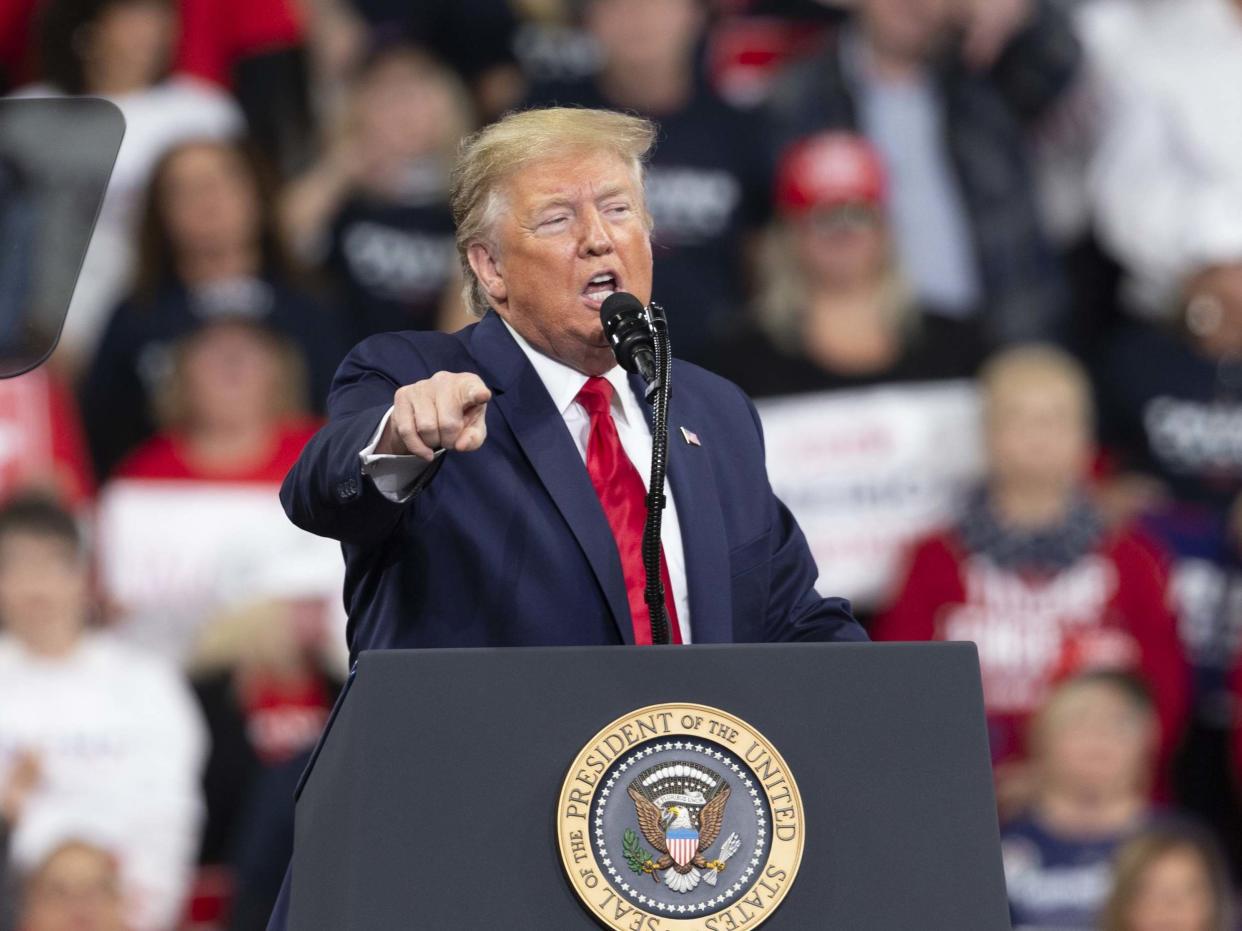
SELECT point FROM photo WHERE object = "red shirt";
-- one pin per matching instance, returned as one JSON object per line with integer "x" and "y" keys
{"x": 1110, "y": 609}
{"x": 164, "y": 456}
{"x": 41, "y": 442}
{"x": 215, "y": 34}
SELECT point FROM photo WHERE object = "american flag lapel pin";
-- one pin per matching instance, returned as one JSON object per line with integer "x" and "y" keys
{"x": 691, "y": 438}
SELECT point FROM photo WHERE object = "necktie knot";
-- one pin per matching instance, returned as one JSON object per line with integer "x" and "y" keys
{"x": 596, "y": 396}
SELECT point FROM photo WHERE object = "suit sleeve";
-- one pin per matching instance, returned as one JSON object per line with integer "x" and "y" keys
{"x": 796, "y": 611}
{"x": 326, "y": 491}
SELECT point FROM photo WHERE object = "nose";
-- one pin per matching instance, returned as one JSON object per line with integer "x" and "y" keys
{"x": 596, "y": 237}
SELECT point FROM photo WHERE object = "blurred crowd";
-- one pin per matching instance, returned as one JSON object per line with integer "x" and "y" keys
{"x": 1026, "y": 211}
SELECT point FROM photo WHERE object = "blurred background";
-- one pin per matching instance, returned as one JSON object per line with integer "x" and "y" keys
{"x": 979, "y": 262}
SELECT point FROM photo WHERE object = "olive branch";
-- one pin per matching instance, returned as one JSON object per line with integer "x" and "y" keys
{"x": 638, "y": 859}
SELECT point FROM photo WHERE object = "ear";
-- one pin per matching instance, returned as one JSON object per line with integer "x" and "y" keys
{"x": 484, "y": 263}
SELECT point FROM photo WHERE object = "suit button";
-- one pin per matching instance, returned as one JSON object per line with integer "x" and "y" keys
{"x": 347, "y": 490}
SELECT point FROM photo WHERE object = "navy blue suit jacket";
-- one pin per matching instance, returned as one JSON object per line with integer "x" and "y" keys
{"x": 509, "y": 546}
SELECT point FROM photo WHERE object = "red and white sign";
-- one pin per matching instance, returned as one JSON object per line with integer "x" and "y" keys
{"x": 867, "y": 471}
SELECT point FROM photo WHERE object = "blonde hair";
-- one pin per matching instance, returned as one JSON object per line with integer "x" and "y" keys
{"x": 784, "y": 297}
{"x": 1036, "y": 362}
{"x": 488, "y": 158}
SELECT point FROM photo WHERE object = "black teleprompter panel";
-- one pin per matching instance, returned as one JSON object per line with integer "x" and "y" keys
{"x": 432, "y": 801}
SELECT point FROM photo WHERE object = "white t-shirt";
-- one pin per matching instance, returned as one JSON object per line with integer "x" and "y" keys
{"x": 121, "y": 744}
{"x": 1167, "y": 181}
{"x": 177, "y": 110}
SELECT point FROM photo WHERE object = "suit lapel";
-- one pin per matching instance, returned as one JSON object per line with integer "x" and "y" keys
{"x": 523, "y": 401}
{"x": 703, "y": 537}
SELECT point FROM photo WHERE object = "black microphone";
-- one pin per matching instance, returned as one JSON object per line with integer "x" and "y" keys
{"x": 629, "y": 333}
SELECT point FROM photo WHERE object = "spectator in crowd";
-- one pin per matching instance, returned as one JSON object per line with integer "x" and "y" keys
{"x": 475, "y": 37}
{"x": 708, "y": 198}
{"x": 232, "y": 410}
{"x": 1169, "y": 878}
{"x": 944, "y": 90}
{"x": 834, "y": 310}
{"x": 374, "y": 210}
{"x": 77, "y": 887}
{"x": 1171, "y": 395}
{"x": 1031, "y": 573}
{"x": 233, "y": 423}
{"x": 1092, "y": 752}
{"x": 209, "y": 248}
{"x": 264, "y": 682}
{"x": 121, "y": 50}
{"x": 114, "y": 735}
{"x": 1168, "y": 180}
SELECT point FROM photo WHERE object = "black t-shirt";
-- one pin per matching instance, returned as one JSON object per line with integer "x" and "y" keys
{"x": 391, "y": 264}
{"x": 471, "y": 35}
{"x": 940, "y": 348}
{"x": 708, "y": 185}
{"x": 1170, "y": 411}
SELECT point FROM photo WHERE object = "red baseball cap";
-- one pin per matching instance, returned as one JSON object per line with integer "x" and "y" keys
{"x": 830, "y": 169}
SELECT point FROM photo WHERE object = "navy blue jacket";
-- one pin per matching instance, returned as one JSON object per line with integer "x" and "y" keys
{"x": 509, "y": 546}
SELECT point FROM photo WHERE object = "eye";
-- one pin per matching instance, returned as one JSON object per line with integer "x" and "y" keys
{"x": 617, "y": 210}
{"x": 554, "y": 222}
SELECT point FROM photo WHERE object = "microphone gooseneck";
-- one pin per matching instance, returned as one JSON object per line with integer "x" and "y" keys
{"x": 639, "y": 339}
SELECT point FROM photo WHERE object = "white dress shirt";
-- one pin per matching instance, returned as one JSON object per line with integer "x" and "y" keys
{"x": 395, "y": 476}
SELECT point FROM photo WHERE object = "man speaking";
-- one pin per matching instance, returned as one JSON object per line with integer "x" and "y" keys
{"x": 488, "y": 486}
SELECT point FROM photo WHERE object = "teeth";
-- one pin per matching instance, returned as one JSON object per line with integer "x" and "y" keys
{"x": 601, "y": 278}
{"x": 599, "y": 295}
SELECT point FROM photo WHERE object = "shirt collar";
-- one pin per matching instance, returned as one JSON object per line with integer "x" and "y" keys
{"x": 564, "y": 383}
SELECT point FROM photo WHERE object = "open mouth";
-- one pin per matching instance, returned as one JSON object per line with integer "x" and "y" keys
{"x": 600, "y": 287}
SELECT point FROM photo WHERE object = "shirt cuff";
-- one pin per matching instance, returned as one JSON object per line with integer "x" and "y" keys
{"x": 395, "y": 477}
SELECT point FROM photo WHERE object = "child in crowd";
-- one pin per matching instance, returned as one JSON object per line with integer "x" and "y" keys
{"x": 1169, "y": 878}
{"x": 77, "y": 887}
{"x": 1032, "y": 574}
{"x": 104, "y": 742}
{"x": 1092, "y": 748}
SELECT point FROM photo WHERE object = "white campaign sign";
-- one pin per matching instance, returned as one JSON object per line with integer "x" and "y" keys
{"x": 867, "y": 471}
{"x": 174, "y": 553}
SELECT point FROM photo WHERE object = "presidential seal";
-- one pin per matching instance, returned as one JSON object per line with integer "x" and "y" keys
{"x": 679, "y": 817}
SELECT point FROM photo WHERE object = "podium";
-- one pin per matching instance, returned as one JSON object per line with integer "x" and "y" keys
{"x": 465, "y": 789}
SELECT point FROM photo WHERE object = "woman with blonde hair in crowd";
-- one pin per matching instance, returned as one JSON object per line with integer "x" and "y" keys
{"x": 373, "y": 212}
{"x": 834, "y": 310}
{"x": 1170, "y": 878}
{"x": 209, "y": 249}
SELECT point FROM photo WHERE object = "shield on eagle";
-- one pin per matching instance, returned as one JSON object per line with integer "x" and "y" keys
{"x": 683, "y": 844}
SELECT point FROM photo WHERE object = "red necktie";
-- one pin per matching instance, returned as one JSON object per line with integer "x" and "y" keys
{"x": 623, "y": 495}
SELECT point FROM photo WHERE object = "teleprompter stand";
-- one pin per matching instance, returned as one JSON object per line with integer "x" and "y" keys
{"x": 432, "y": 801}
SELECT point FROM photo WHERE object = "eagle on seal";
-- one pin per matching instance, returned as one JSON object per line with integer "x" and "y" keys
{"x": 673, "y": 833}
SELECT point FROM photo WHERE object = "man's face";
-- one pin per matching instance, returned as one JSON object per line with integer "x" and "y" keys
{"x": 573, "y": 230}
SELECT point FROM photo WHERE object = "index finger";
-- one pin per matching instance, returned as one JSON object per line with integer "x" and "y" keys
{"x": 471, "y": 391}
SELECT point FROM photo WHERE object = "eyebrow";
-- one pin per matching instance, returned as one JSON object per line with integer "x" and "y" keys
{"x": 559, "y": 201}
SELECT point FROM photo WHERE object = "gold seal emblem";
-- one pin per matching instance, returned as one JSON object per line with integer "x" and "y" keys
{"x": 680, "y": 817}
